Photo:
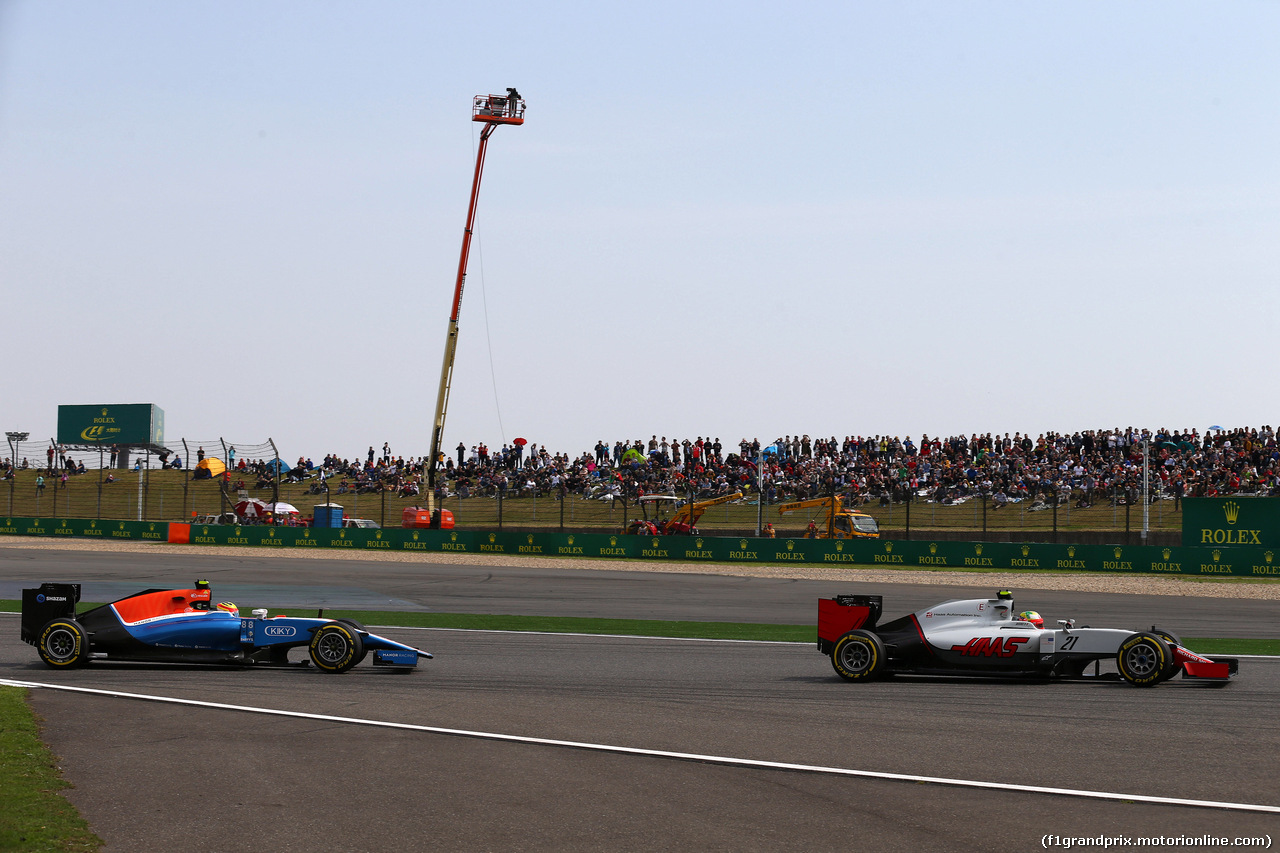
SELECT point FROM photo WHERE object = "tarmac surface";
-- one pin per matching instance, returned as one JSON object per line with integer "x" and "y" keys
{"x": 155, "y": 776}
{"x": 540, "y": 590}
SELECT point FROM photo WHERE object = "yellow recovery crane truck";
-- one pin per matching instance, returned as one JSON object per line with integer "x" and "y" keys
{"x": 840, "y": 523}
{"x": 682, "y": 522}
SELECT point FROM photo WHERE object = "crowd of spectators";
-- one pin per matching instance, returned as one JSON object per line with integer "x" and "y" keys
{"x": 1086, "y": 467}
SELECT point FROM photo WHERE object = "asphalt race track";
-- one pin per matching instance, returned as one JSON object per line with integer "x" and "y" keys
{"x": 359, "y": 584}
{"x": 160, "y": 776}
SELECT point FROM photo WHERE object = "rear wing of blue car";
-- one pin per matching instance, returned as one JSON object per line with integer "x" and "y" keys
{"x": 45, "y": 602}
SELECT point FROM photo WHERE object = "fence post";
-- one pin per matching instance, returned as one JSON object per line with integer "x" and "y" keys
{"x": 225, "y": 477}
{"x": 186, "y": 479}
{"x": 1055, "y": 515}
{"x": 910, "y": 497}
{"x": 831, "y": 508}
{"x": 275, "y": 480}
{"x": 146, "y": 485}
{"x": 562, "y": 497}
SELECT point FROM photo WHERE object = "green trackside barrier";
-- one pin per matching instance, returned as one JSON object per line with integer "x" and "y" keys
{"x": 313, "y": 538}
{"x": 139, "y": 531}
{"x": 890, "y": 553}
{"x": 1239, "y": 561}
{"x": 1231, "y": 522}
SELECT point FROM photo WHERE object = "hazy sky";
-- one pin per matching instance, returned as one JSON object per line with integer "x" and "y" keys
{"x": 844, "y": 218}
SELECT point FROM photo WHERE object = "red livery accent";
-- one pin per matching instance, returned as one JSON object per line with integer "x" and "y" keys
{"x": 836, "y": 620}
{"x": 1197, "y": 666}
{"x": 167, "y": 602}
{"x": 991, "y": 646}
{"x": 920, "y": 633}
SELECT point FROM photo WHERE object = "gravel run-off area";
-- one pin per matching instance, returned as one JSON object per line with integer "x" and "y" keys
{"x": 1091, "y": 582}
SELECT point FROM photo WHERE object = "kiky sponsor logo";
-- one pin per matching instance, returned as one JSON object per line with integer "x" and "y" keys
{"x": 280, "y": 631}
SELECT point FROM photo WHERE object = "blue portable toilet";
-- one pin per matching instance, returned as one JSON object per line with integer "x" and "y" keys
{"x": 326, "y": 515}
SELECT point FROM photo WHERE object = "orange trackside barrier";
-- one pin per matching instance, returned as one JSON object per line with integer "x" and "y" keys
{"x": 179, "y": 534}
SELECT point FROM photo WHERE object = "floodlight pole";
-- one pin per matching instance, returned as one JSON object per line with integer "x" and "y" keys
{"x": 492, "y": 110}
{"x": 15, "y": 438}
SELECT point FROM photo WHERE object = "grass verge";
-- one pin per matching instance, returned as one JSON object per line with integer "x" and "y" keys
{"x": 32, "y": 815}
{"x": 1229, "y": 646}
{"x": 650, "y": 627}
{"x": 578, "y": 625}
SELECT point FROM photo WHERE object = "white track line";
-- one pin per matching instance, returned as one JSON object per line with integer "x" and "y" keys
{"x": 805, "y": 643}
{"x": 647, "y": 637}
{"x": 680, "y": 756}
{"x": 610, "y": 636}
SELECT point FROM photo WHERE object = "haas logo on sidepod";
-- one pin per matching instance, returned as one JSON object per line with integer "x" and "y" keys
{"x": 280, "y": 631}
{"x": 991, "y": 646}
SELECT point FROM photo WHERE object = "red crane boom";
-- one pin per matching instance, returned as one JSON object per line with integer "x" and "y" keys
{"x": 492, "y": 110}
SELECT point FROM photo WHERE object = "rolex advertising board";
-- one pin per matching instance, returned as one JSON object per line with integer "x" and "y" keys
{"x": 1231, "y": 521}
{"x": 127, "y": 423}
{"x": 1203, "y": 560}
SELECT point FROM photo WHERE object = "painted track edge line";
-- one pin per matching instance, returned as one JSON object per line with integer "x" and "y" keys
{"x": 804, "y": 643}
{"x": 607, "y": 636}
{"x": 657, "y": 753}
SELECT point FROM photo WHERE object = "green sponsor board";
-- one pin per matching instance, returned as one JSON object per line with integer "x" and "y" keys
{"x": 1240, "y": 561}
{"x": 130, "y": 423}
{"x": 256, "y": 535}
{"x": 1231, "y": 522}
{"x": 140, "y": 531}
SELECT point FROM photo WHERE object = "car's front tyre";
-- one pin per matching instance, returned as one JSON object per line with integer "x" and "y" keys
{"x": 336, "y": 647}
{"x": 858, "y": 656}
{"x": 1173, "y": 640}
{"x": 359, "y": 626}
{"x": 1144, "y": 659}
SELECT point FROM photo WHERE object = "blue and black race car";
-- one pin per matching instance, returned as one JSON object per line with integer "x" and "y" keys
{"x": 183, "y": 626}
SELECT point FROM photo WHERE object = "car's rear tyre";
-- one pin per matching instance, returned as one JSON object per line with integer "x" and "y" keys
{"x": 1145, "y": 659}
{"x": 336, "y": 647}
{"x": 858, "y": 656}
{"x": 63, "y": 644}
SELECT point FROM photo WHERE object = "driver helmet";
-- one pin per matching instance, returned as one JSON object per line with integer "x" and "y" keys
{"x": 1031, "y": 616}
{"x": 229, "y": 607}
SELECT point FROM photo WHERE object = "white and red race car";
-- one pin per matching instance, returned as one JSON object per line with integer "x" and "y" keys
{"x": 987, "y": 637}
